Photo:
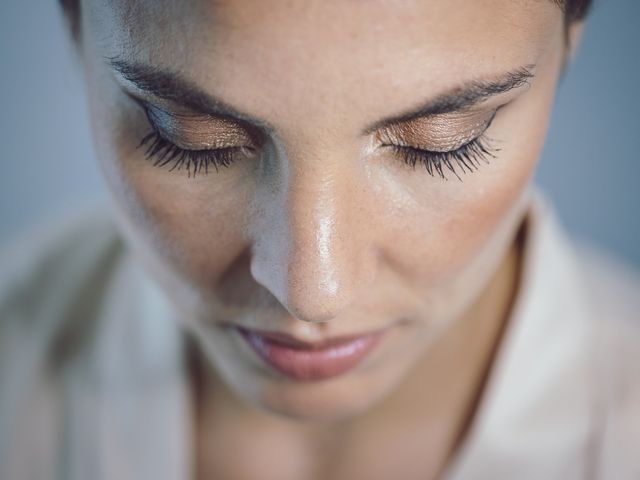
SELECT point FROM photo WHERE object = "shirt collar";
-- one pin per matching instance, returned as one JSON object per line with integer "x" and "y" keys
{"x": 534, "y": 418}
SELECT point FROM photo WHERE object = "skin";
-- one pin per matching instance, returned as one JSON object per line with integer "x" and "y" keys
{"x": 318, "y": 230}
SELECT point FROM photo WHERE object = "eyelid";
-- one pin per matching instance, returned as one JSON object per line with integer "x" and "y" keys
{"x": 194, "y": 132}
{"x": 441, "y": 134}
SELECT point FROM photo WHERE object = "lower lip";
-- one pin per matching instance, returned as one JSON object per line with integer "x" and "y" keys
{"x": 312, "y": 364}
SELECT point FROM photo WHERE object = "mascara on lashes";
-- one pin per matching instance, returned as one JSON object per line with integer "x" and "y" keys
{"x": 440, "y": 144}
{"x": 436, "y": 142}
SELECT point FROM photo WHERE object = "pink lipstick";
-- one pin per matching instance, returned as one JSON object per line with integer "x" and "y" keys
{"x": 310, "y": 361}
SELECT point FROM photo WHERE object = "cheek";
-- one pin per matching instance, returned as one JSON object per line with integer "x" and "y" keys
{"x": 488, "y": 209}
{"x": 445, "y": 245}
{"x": 449, "y": 252}
{"x": 454, "y": 230}
{"x": 437, "y": 238}
{"x": 189, "y": 227}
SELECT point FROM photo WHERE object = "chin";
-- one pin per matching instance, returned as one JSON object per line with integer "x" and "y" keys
{"x": 319, "y": 403}
{"x": 332, "y": 400}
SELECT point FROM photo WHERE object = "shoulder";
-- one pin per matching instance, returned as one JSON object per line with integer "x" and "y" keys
{"x": 54, "y": 278}
{"x": 47, "y": 265}
{"x": 52, "y": 285}
{"x": 592, "y": 300}
{"x": 612, "y": 293}
{"x": 82, "y": 330}
{"x": 571, "y": 269}
{"x": 613, "y": 290}
{"x": 613, "y": 285}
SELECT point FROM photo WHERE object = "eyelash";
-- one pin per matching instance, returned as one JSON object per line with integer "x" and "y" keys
{"x": 163, "y": 153}
{"x": 466, "y": 158}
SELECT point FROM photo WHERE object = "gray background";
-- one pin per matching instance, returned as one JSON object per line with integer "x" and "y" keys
{"x": 590, "y": 165}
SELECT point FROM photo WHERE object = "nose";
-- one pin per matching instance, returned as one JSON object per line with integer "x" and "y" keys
{"x": 313, "y": 249}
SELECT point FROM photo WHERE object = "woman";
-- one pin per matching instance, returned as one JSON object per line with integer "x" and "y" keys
{"x": 329, "y": 261}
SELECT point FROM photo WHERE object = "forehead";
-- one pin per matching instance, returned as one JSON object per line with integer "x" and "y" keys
{"x": 259, "y": 54}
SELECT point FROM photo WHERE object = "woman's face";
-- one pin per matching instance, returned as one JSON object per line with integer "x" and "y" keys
{"x": 320, "y": 168}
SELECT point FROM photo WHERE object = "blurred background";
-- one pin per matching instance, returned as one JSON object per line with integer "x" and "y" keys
{"x": 590, "y": 166}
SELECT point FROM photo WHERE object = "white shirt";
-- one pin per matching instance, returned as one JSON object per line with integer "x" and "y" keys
{"x": 93, "y": 383}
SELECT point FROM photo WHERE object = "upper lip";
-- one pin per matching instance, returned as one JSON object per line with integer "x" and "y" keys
{"x": 290, "y": 340}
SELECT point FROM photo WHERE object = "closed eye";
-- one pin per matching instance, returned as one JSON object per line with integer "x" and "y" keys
{"x": 464, "y": 159}
{"x": 165, "y": 153}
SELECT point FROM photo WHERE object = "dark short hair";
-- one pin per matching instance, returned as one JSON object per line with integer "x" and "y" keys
{"x": 575, "y": 10}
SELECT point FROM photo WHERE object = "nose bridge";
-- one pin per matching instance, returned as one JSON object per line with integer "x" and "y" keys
{"x": 315, "y": 253}
{"x": 316, "y": 222}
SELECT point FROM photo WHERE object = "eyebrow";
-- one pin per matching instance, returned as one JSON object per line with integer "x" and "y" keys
{"x": 469, "y": 94}
{"x": 172, "y": 87}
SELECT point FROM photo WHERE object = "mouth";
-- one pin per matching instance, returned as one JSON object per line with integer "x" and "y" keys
{"x": 308, "y": 361}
